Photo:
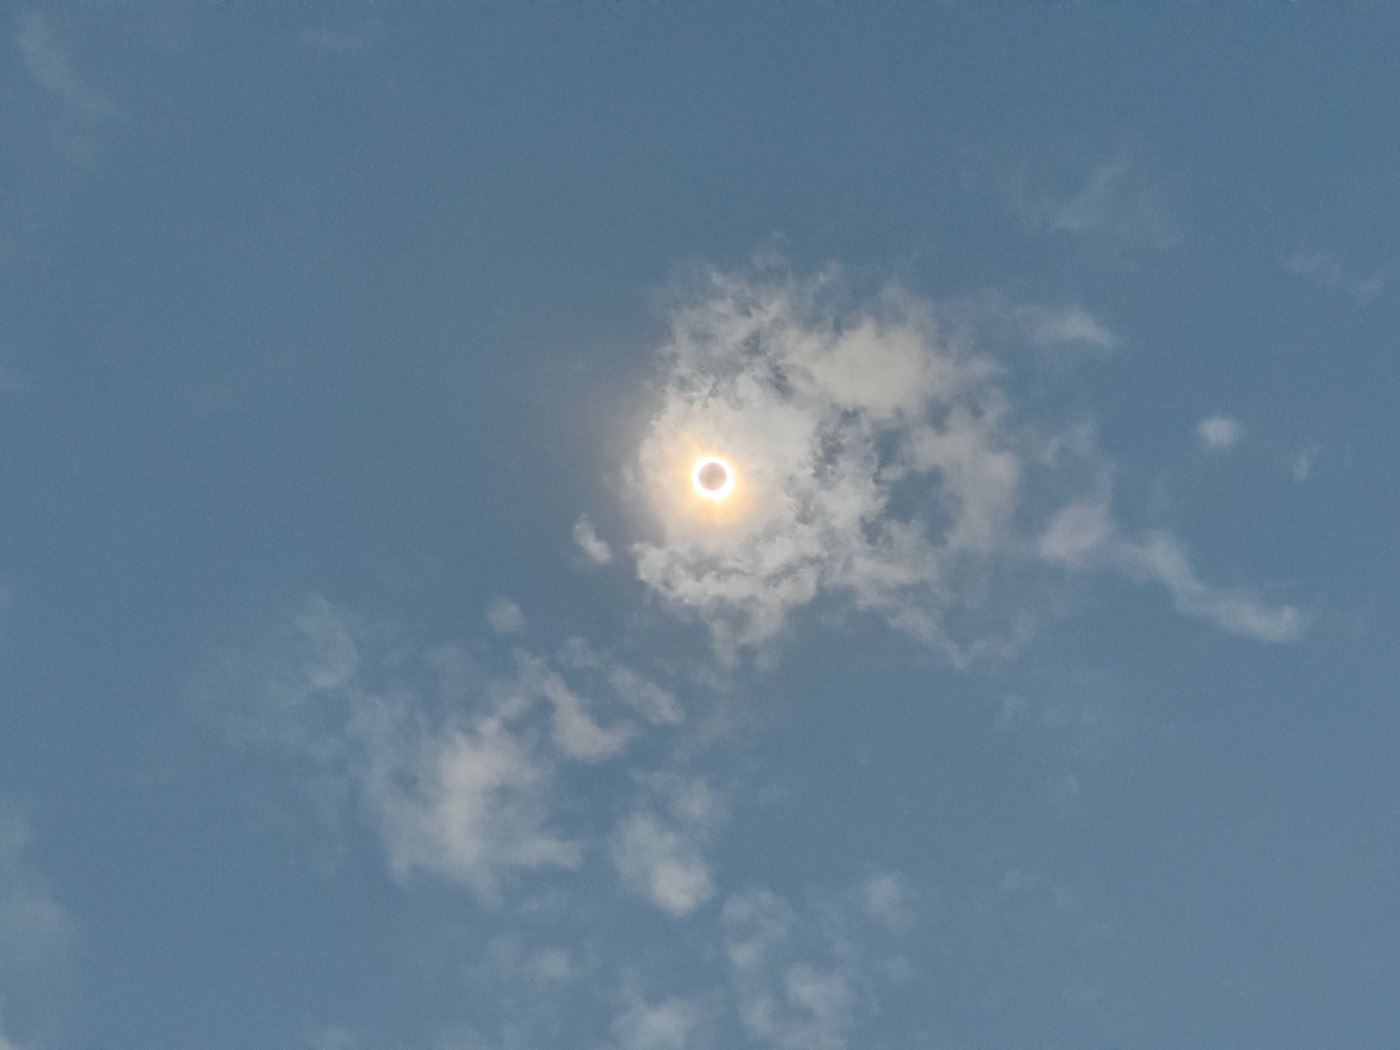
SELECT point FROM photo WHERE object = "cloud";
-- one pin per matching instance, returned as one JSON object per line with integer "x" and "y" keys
{"x": 1160, "y": 557}
{"x": 575, "y": 732}
{"x": 1071, "y": 325}
{"x": 49, "y": 63}
{"x": 881, "y": 463}
{"x": 342, "y": 40}
{"x": 1327, "y": 270}
{"x": 36, "y": 931}
{"x": 1303, "y": 462}
{"x": 653, "y": 703}
{"x": 597, "y": 551}
{"x": 659, "y": 850}
{"x": 458, "y": 790}
{"x": 1111, "y": 198}
{"x": 662, "y": 864}
{"x": 1083, "y": 535}
{"x": 1218, "y": 433}
{"x": 505, "y": 617}
{"x": 824, "y": 413}
{"x": 456, "y": 767}
{"x": 806, "y": 980}
{"x": 671, "y": 1024}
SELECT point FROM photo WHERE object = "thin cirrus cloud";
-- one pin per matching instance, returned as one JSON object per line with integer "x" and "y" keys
{"x": 886, "y": 466}
{"x": 36, "y": 934}
{"x": 586, "y": 537}
{"x": 1326, "y": 269}
{"x": 1083, "y": 535}
{"x": 794, "y": 977}
{"x": 1219, "y": 432}
{"x": 457, "y": 768}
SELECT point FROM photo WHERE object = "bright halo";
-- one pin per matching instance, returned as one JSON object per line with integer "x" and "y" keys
{"x": 712, "y": 478}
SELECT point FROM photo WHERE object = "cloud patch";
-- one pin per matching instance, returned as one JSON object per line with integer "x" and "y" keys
{"x": 594, "y": 549}
{"x": 882, "y": 463}
{"x": 1326, "y": 269}
{"x": 453, "y": 766}
{"x": 1219, "y": 432}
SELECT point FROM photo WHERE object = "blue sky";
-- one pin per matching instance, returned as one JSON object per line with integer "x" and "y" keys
{"x": 372, "y": 678}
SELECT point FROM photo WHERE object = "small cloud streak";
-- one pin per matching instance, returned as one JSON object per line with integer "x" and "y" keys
{"x": 596, "y": 550}
{"x": 505, "y": 617}
{"x": 1218, "y": 433}
{"x": 1083, "y": 535}
{"x": 1326, "y": 269}
{"x": 1069, "y": 326}
{"x": 49, "y": 64}
{"x": 342, "y": 40}
{"x": 1111, "y": 199}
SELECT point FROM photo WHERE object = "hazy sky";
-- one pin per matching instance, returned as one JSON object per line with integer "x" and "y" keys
{"x": 371, "y": 677}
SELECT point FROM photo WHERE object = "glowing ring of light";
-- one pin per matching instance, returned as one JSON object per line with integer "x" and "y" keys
{"x": 725, "y": 487}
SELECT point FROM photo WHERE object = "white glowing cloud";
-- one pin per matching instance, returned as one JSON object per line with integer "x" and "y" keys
{"x": 595, "y": 548}
{"x": 883, "y": 463}
{"x": 1219, "y": 432}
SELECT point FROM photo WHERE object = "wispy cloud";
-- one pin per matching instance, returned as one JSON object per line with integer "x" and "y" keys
{"x": 672, "y": 1023}
{"x": 1219, "y": 432}
{"x": 1068, "y": 326}
{"x": 660, "y": 851}
{"x": 505, "y": 617}
{"x": 50, "y": 64}
{"x": 1326, "y": 269}
{"x": 58, "y": 128}
{"x": 455, "y": 768}
{"x": 1303, "y": 462}
{"x": 596, "y": 550}
{"x": 36, "y": 931}
{"x": 881, "y": 461}
{"x": 342, "y": 39}
{"x": 1113, "y": 198}
{"x": 806, "y": 979}
{"x": 1084, "y": 535}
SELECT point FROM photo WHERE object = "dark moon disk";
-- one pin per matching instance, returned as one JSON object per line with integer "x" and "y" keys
{"x": 712, "y": 477}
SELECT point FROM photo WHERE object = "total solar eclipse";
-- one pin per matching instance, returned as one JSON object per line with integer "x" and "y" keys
{"x": 713, "y": 478}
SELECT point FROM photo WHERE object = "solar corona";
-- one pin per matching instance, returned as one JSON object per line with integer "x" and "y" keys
{"x": 712, "y": 478}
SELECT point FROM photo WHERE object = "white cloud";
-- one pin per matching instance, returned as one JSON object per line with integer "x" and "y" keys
{"x": 1219, "y": 432}
{"x": 824, "y": 414}
{"x": 597, "y": 550}
{"x": 1326, "y": 269}
{"x": 540, "y": 968}
{"x": 505, "y": 617}
{"x": 36, "y": 932}
{"x": 1071, "y": 325}
{"x": 456, "y": 768}
{"x": 49, "y": 63}
{"x": 663, "y": 863}
{"x": 1303, "y": 462}
{"x": 467, "y": 805}
{"x": 444, "y": 761}
{"x": 342, "y": 40}
{"x": 671, "y": 1024}
{"x": 1083, "y": 535}
{"x": 575, "y": 732}
{"x": 1114, "y": 199}
{"x": 880, "y": 462}
{"x": 1160, "y": 557}
{"x": 888, "y": 901}
{"x": 806, "y": 980}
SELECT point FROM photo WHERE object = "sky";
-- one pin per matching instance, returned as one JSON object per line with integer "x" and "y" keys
{"x": 372, "y": 676}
